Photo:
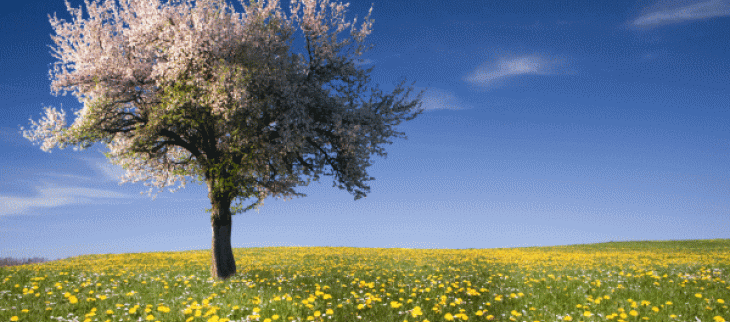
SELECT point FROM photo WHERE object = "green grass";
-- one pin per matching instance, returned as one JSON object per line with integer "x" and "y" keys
{"x": 616, "y": 281}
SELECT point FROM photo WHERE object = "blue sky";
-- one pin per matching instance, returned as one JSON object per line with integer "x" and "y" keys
{"x": 546, "y": 123}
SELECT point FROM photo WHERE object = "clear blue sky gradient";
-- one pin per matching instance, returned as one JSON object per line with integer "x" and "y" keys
{"x": 546, "y": 123}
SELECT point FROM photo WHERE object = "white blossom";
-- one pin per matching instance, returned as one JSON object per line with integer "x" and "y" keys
{"x": 185, "y": 88}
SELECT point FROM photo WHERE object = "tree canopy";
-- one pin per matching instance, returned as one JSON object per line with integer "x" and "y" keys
{"x": 196, "y": 89}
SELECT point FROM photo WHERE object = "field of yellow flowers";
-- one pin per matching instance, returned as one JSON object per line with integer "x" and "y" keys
{"x": 618, "y": 281}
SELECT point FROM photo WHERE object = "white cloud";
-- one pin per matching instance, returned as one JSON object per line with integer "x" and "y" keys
{"x": 56, "y": 195}
{"x": 111, "y": 172}
{"x": 50, "y": 196}
{"x": 367, "y": 61}
{"x": 507, "y": 67}
{"x": 438, "y": 99}
{"x": 700, "y": 10}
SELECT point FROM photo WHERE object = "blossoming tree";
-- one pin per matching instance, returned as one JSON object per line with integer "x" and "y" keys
{"x": 194, "y": 88}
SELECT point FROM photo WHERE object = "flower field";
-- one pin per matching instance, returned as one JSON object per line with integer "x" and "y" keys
{"x": 620, "y": 281}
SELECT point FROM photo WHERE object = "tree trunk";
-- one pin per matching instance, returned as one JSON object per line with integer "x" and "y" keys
{"x": 223, "y": 264}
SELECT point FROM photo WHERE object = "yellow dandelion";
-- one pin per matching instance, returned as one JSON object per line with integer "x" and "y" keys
{"x": 416, "y": 311}
{"x": 449, "y": 317}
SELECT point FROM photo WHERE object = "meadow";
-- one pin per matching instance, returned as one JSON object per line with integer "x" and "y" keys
{"x": 616, "y": 281}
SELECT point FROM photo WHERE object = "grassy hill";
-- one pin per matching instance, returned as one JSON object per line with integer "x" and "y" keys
{"x": 620, "y": 281}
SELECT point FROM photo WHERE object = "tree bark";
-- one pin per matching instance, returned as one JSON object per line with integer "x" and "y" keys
{"x": 223, "y": 265}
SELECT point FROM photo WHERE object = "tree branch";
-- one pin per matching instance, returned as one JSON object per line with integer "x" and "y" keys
{"x": 177, "y": 140}
{"x": 301, "y": 160}
{"x": 326, "y": 157}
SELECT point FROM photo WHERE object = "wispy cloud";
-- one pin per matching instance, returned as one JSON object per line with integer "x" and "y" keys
{"x": 110, "y": 172}
{"x": 439, "y": 99}
{"x": 50, "y": 196}
{"x": 72, "y": 189}
{"x": 368, "y": 61}
{"x": 700, "y": 10}
{"x": 487, "y": 75}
